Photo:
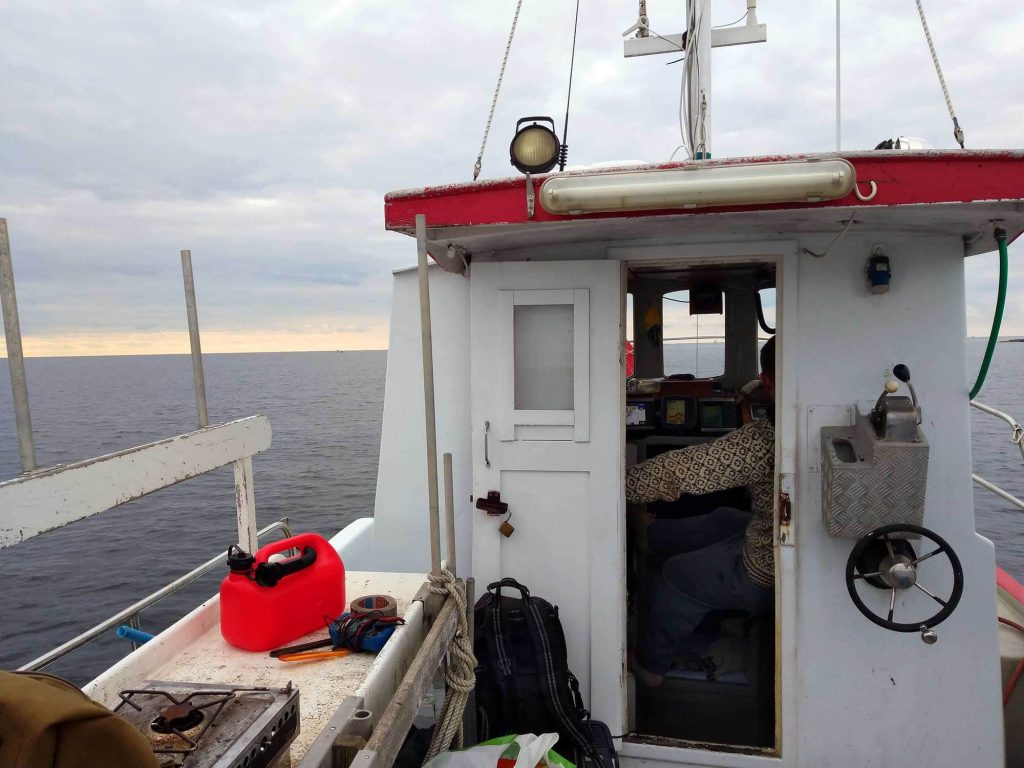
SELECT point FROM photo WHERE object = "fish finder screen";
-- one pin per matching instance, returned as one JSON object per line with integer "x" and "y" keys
{"x": 675, "y": 412}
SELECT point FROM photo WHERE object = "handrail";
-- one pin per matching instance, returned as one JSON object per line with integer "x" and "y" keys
{"x": 997, "y": 491}
{"x": 1017, "y": 438}
{"x": 135, "y": 608}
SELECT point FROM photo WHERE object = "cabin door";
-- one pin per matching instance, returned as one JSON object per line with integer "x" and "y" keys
{"x": 547, "y": 391}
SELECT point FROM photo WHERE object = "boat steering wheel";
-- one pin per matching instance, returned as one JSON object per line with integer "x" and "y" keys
{"x": 885, "y": 560}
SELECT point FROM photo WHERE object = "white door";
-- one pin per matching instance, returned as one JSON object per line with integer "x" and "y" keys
{"x": 547, "y": 377}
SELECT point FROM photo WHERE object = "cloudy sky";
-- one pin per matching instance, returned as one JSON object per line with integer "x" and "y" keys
{"x": 263, "y": 136}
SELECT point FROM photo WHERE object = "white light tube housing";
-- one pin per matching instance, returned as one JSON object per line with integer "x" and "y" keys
{"x": 804, "y": 181}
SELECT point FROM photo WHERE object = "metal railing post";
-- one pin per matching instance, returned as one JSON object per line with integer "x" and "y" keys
{"x": 428, "y": 394}
{"x": 449, "y": 511}
{"x": 15, "y": 354}
{"x": 193, "y": 333}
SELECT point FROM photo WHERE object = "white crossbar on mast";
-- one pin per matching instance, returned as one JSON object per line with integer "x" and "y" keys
{"x": 698, "y": 73}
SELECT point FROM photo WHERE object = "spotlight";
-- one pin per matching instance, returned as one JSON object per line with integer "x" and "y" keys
{"x": 535, "y": 148}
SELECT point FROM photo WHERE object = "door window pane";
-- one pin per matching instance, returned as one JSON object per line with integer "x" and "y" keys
{"x": 543, "y": 352}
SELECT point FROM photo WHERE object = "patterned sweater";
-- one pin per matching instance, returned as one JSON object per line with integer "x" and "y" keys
{"x": 743, "y": 457}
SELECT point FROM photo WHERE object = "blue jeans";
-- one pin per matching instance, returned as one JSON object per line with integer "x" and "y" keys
{"x": 704, "y": 572}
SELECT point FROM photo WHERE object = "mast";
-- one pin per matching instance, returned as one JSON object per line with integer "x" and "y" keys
{"x": 696, "y": 43}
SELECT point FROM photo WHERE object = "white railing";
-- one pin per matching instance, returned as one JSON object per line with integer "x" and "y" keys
{"x": 46, "y": 499}
{"x": 1017, "y": 438}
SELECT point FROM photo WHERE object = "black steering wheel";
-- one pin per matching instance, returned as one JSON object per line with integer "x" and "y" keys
{"x": 886, "y": 560}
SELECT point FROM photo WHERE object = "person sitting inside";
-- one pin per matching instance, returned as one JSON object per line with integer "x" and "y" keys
{"x": 721, "y": 560}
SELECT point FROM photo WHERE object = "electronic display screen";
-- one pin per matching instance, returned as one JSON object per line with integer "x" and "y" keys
{"x": 636, "y": 414}
{"x": 675, "y": 412}
{"x": 712, "y": 416}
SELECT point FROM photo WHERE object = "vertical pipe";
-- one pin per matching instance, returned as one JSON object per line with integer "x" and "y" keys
{"x": 428, "y": 394}
{"x": 699, "y": 76}
{"x": 449, "y": 511}
{"x": 15, "y": 354}
{"x": 839, "y": 88}
{"x": 193, "y": 333}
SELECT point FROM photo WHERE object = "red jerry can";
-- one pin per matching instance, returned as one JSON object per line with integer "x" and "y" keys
{"x": 264, "y": 604}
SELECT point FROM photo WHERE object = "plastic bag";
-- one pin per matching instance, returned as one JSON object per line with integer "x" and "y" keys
{"x": 523, "y": 751}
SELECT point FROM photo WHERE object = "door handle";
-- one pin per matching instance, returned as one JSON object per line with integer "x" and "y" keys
{"x": 487, "y": 430}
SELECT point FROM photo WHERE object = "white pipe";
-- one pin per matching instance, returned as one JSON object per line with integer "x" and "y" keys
{"x": 699, "y": 76}
{"x": 449, "y": 511}
{"x": 193, "y": 333}
{"x": 998, "y": 491}
{"x": 839, "y": 87}
{"x": 15, "y": 354}
{"x": 428, "y": 394}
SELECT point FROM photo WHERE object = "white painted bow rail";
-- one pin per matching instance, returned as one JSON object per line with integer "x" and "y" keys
{"x": 40, "y": 501}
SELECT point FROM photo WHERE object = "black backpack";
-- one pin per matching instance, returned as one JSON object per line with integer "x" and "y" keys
{"x": 523, "y": 682}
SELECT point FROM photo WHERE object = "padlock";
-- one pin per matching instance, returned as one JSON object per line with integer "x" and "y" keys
{"x": 506, "y": 529}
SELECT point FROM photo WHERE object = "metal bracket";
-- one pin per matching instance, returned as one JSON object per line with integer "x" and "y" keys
{"x": 492, "y": 505}
{"x": 531, "y": 199}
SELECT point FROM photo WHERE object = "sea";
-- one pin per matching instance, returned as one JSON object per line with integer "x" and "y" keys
{"x": 325, "y": 409}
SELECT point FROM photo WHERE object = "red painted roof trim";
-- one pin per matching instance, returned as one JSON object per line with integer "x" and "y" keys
{"x": 903, "y": 178}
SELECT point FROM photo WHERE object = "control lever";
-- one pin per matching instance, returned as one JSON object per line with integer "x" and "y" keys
{"x": 901, "y": 372}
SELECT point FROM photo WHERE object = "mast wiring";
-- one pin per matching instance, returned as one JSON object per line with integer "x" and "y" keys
{"x": 497, "y": 89}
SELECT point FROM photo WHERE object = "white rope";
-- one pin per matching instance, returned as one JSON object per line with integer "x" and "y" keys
{"x": 958, "y": 133}
{"x": 460, "y": 676}
{"x": 497, "y": 88}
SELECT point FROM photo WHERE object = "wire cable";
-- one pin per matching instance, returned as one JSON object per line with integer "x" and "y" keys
{"x": 564, "y": 151}
{"x": 958, "y": 133}
{"x": 497, "y": 89}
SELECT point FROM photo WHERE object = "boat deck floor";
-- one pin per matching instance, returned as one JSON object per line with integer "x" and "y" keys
{"x": 184, "y": 654}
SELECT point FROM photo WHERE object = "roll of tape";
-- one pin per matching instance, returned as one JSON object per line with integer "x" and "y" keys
{"x": 383, "y": 603}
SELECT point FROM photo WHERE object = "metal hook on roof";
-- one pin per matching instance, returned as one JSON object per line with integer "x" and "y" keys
{"x": 865, "y": 198}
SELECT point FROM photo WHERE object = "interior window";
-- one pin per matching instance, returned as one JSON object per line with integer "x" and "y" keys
{"x": 693, "y": 344}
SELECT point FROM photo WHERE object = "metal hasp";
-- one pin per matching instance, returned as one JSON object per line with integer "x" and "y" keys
{"x": 875, "y": 473}
{"x": 15, "y": 355}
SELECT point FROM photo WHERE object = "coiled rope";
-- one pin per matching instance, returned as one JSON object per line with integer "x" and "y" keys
{"x": 460, "y": 676}
{"x": 497, "y": 88}
{"x": 958, "y": 132}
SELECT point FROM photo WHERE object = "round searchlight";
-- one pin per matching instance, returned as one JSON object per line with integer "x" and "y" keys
{"x": 534, "y": 149}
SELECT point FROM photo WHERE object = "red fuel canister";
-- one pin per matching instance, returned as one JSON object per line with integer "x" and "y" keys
{"x": 264, "y": 604}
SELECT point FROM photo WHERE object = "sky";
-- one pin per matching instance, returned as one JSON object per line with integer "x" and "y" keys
{"x": 263, "y": 135}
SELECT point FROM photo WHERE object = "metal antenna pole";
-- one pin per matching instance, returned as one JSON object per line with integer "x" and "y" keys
{"x": 15, "y": 355}
{"x": 428, "y": 394}
{"x": 839, "y": 87}
{"x": 193, "y": 332}
{"x": 699, "y": 76}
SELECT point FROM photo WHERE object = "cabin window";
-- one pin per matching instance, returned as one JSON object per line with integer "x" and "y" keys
{"x": 697, "y": 383}
{"x": 693, "y": 343}
{"x": 543, "y": 357}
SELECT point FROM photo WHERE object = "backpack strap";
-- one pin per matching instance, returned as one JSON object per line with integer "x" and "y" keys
{"x": 542, "y": 647}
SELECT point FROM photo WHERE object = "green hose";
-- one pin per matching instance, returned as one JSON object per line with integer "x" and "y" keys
{"x": 1004, "y": 268}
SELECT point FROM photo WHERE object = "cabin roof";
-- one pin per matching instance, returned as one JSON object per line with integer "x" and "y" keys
{"x": 930, "y": 192}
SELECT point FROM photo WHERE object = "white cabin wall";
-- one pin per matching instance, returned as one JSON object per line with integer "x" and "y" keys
{"x": 867, "y": 696}
{"x": 401, "y": 528}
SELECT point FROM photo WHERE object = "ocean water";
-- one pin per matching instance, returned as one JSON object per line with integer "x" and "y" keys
{"x": 325, "y": 409}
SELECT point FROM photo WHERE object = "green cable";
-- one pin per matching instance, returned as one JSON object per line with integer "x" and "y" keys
{"x": 1004, "y": 268}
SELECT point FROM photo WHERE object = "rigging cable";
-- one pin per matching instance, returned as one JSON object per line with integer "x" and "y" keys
{"x": 497, "y": 88}
{"x": 958, "y": 132}
{"x": 563, "y": 152}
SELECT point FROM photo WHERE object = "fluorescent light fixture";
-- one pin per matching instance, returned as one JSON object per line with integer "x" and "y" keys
{"x": 804, "y": 181}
